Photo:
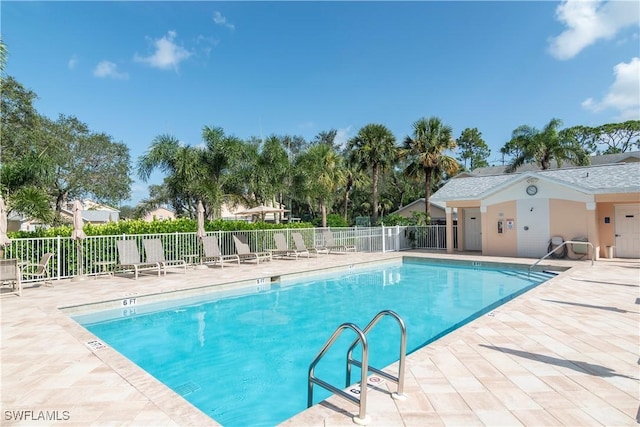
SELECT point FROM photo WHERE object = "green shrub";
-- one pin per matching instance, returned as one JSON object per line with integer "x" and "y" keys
{"x": 333, "y": 220}
{"x": 395, "y": 219}
{"x": 180, "y": 225}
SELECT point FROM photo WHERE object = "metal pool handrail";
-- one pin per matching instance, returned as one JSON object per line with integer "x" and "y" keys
{"x": 593, "y": 254}
{"x": 403, "y": 350}
{"x": 362, "y": 402}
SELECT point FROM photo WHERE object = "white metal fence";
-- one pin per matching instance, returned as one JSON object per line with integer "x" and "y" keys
{"x": 99, "y": 253}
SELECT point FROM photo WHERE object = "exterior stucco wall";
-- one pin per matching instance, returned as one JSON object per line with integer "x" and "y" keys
{"x": 499, "y": 244}
{"x": 159, "y": 214}
{"x": 569, "y": 220}
{"x": 607, "y": 231}
{"x": 606, "y": 208}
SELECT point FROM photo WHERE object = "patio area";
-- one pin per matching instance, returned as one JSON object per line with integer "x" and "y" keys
{"x": 564, "y": 353}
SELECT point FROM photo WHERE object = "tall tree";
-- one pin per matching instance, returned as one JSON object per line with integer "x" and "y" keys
{"x": 319, "y": 176}
{"x": 3, "y": 57}
{"x": 354, "y": 178}
{"x": 273, "y": 167}
{"x": 48, "y": 162}
{"x": 230, "y": 164}
{"x": 85, "y": 163}
{"x": 425, "y": 153}
{"x": 473, "y": 148}
{"x": 529, "y": 144}
{"x": 374, "y": 148}
{"x": 294, "y": 145}
{"x": 19, "y": 119}
{"x": 608, "y": 138}
{"x": 327, "y": 137}
{"x": 400, "y": 190}
{"x": 25, "y": 173}
{"x": 183, "y": 171}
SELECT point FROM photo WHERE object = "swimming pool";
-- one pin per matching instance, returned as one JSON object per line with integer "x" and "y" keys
{"x": 242, "y": 358}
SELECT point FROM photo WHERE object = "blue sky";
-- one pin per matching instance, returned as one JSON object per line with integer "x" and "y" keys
{"x": 136, "y": 70}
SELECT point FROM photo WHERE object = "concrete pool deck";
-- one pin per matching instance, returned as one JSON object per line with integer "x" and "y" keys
{"x": 564, "y": 353}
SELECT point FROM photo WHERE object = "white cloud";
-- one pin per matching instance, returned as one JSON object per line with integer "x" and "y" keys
{"x": 109, "y": 69}
{"x": 167, "y": 55}
{"x": 590, "y": 21}
{"x": 342, "y": 136}
{"x": 73, "y": 61}
{"x": 221, "y": 20}
{"x": 624, "y": 93}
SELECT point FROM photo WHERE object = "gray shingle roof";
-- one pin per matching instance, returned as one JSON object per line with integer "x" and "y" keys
{"x": 610, "y": 178}
{"x": 602, "y": 159}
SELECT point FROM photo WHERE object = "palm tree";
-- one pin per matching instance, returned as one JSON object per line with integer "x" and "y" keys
{"x": 273, "y": 166}
{"x": 425, "y": 153}
{"x": 183, "y": 166}
{"x": 319, "y": 175}
{"x": 374, "y": 148}
{"x": 228, "y": 163}
{"x": 530, "y": 144}
{"x": 354, "y": 178}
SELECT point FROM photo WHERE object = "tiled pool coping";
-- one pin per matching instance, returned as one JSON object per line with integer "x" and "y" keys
{"x": 515, "y": 366}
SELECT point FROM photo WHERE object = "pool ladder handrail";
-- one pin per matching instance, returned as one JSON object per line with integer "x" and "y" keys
{"x": 361, "y": 338}
{"x": 399, "y": 380}
{"x": 593, "y": 254}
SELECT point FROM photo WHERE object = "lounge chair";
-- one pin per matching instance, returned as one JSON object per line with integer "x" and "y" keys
{"x": 154, "y": 250}
{"x": 39, "y": 270}
{"x": 283, "y": 249}
{"x": 129, "y": 259}
{"x": 212, "y": 253}
{"x": 332, "y": 246}
{"x": 10, "y": 275}
{"x": 301, "y": 247}
{"x": 244, "y": 251}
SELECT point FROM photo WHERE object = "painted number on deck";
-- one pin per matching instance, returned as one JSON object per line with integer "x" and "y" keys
{"x": 129, "y": 301}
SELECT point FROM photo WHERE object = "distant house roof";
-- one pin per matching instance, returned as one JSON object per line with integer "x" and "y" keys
{"x": 420, "y": 200}
{"x": 604, "y": 179}
{"x": 602, "y": 159}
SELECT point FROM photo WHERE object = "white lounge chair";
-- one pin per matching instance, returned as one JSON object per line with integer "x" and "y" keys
{"x": 283, "y": 249}
{"x": 10, "y": 275}
{"x": 129, "y": 259}
{"x": 301, "y": 247}
{"x": 212, "y": 253}
{"x": 244, "y": 251}
{"x": 154, "y": 250}
{"x": 39, "y": 270}
{"x": 332, "y": 246}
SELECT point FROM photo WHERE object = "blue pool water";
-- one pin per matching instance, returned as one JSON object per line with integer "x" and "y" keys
{"x": 244, "y": 359}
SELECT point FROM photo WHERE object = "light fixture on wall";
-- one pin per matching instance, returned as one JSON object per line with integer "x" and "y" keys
{"x": 532, "y": 180}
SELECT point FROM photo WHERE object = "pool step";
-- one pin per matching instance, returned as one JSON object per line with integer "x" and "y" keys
{"x": 538, "y": 276}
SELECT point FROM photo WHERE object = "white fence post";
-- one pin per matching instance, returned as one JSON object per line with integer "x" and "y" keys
{"x": 58, "y": 246}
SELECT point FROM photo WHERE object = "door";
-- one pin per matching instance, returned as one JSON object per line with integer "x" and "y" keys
{"x": 627, "y": 231}
{"x": 472, "y": 230}
{"x": 533, "y": 227}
